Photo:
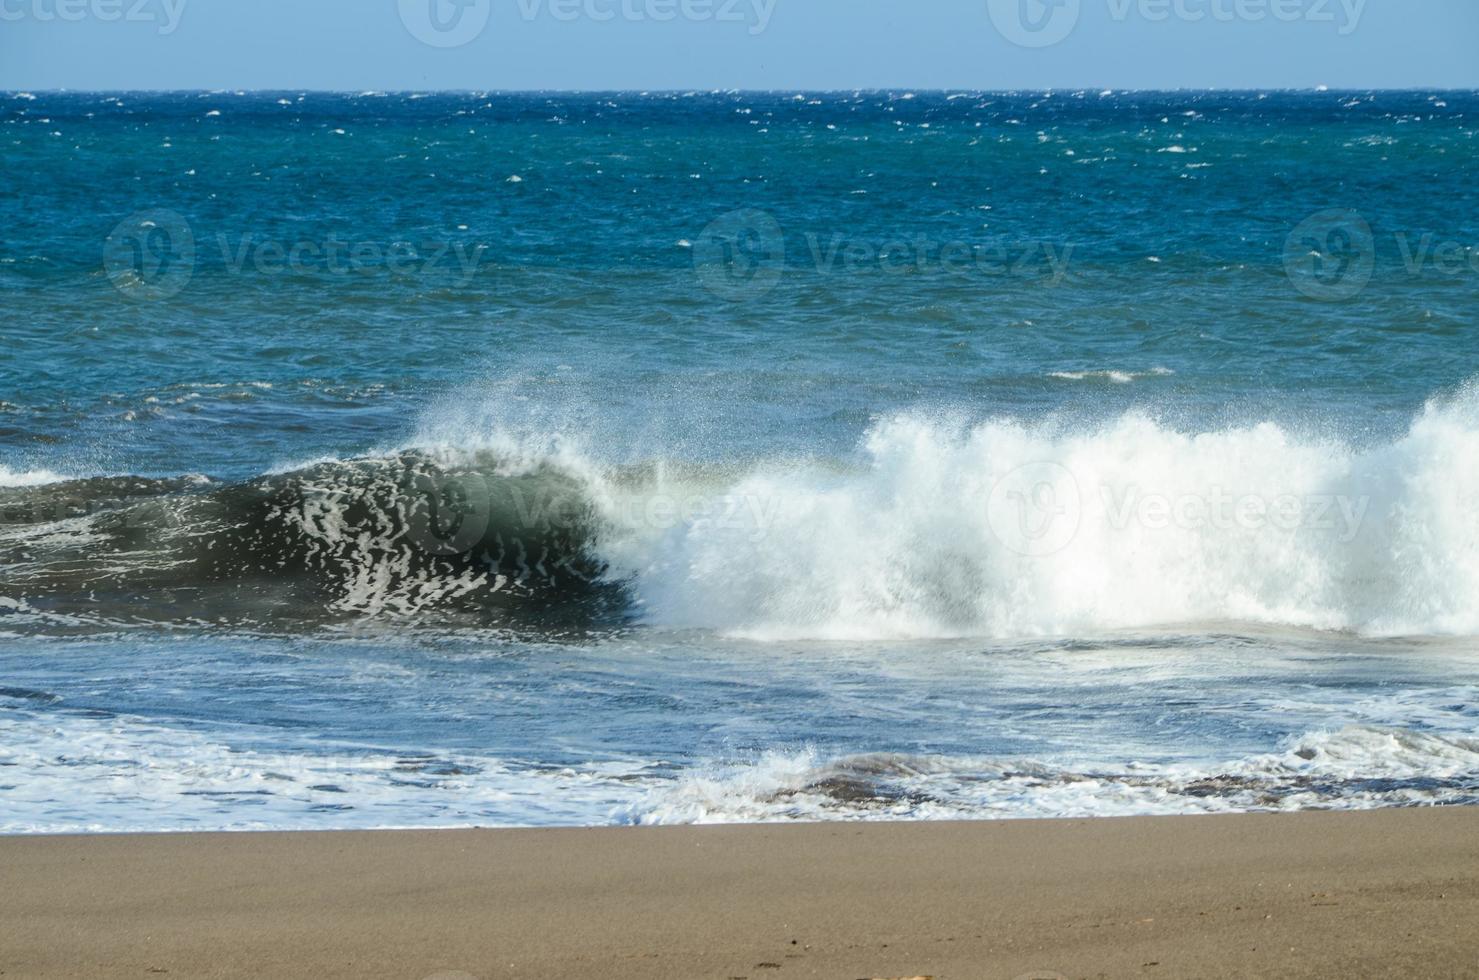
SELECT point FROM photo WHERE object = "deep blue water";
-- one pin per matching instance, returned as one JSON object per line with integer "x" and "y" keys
{"x": 570, "y": 458}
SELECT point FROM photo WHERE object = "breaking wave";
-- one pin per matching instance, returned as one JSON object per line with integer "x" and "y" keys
{"x": 937, "y": 527}
{"x": 27, "y": 478}
{"x": 400, "y": 535}
{"x": 1007, "y": 529}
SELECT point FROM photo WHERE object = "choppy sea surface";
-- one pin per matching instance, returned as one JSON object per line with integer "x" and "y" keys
{"x": 421, "y": 460}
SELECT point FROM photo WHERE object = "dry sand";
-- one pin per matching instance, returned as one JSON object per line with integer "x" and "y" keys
{"x": 1393, "y": 893}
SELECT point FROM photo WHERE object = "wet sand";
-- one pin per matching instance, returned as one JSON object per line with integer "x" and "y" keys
{"x": 1390, "y": 893}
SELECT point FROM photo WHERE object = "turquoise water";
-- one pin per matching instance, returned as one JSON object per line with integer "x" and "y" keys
{"x": 388, "y": 459}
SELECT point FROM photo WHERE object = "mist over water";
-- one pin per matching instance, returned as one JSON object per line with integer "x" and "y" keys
{"x": 667, "y": 458}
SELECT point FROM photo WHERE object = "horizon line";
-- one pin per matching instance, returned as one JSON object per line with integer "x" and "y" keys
{"x": 691, "y": 90}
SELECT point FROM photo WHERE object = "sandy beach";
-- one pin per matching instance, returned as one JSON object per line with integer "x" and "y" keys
{"x": 1390, "y": 893}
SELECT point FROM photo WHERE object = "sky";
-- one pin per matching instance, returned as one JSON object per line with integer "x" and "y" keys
{"x": 353, "y": 45}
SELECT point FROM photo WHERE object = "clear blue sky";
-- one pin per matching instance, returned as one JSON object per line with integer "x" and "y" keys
{"x": 757, "y": 44}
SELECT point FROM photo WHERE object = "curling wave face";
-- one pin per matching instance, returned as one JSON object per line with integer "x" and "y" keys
{"x": 400, "y": 535}
{"x": 938, "y": 527}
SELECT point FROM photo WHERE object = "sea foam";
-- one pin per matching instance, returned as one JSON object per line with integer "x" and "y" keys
{"x": 1008, "y": 528}
{"x": 936, "y": 527}
{"x": 27, "y": 478}
{"x": 1355, "y": 767}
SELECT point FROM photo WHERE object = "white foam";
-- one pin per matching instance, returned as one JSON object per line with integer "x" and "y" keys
{"x": 1117, "y": 377}
{"x": 1354, "y": 768}
{"x": 1003, "y": 529}
{"x": 947, "y": 527}
{"x": 73, "y": 774}
{"x": 28, "y": 478}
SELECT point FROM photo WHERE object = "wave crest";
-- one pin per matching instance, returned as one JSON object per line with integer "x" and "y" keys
{"x": 938, "y": 528}
{"x": 1004, "y": 529}
{"x": 405, "y": 534}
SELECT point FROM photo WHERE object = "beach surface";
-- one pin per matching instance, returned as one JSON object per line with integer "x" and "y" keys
{"x": 1390, "y": 893}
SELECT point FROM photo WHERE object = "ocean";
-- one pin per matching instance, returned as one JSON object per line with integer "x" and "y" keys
{"x": 493, "y": 459}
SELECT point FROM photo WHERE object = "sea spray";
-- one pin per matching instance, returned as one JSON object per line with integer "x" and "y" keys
{"x": 1141, "y": 525}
